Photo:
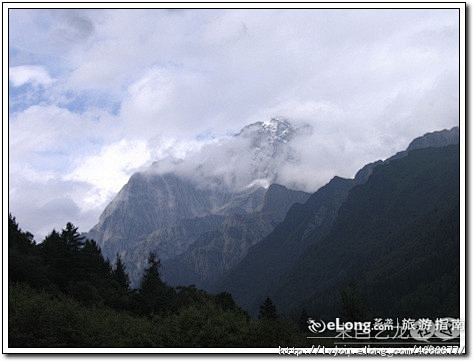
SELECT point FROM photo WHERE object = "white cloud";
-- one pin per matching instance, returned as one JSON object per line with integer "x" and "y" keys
{"x": 53, "y": 137}
{"x": 33, "y": 74}
{"x": 40, "y": 206}
{"x": 108, "y": 171}
{"x": 367, "y": 81}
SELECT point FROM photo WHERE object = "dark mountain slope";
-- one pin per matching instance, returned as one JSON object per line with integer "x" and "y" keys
{"x": 259, "y": 272}
{"x": 272, "y": 256}
{"x": 397, "y": 236}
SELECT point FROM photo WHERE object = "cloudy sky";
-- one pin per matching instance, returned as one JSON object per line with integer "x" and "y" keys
{"x": 95, "y": 95}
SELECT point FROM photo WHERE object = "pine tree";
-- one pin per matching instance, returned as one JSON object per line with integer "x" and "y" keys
{"x": 267, "y": 310}
{"x": 21, "y": 241}
{"x": 354, "y": 308}
{"x": 151, "y": 280}
{"x": 303, "y": 321}
{"x": 93, "y": 265}
{"x": 152, "y": 290}
{"x": 72, "y": 238}
{"x": 57, "y": 259}
{"x": 120, "y": 276}
{"x": 66, "y": 256}
{"x": 25, "y": 263}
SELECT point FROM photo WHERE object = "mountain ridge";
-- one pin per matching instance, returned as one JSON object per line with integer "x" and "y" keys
{"x": 385, "y": 225}
{"x": 302, "y": 226}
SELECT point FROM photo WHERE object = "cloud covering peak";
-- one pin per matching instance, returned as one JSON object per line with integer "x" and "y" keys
{"x": 252, "y": 157}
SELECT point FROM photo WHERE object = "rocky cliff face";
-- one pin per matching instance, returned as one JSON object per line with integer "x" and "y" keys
{"x": 149, "y": 202}
{"x": 215, "y": 252}
{"x": 166, "y": 210}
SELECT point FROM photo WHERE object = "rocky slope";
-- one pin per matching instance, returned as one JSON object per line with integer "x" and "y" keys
{"x": 215, "y": 252}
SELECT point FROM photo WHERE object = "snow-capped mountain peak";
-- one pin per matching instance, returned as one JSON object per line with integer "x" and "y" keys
{"x": 270, "y": 132}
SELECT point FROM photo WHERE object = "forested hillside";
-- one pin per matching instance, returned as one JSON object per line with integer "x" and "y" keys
{"x": 395, "y": 240}
{"x": 62, "y": 293}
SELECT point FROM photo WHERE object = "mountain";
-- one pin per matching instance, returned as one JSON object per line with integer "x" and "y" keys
{"x": 149, "y": 202}
{"x": 214, "y": 252}
{"x": 258, "y": 274}
{"x": 167, "y": 207}
{"x": 167, "y": 242}
{"x": 396, "y": 237}
{"x": 432, "y": 139}
{"x": 276, "y": 253}
{"x": 435, "y": 139}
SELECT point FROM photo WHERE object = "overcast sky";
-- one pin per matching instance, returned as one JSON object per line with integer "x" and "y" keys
{"x": 95, "y": 95}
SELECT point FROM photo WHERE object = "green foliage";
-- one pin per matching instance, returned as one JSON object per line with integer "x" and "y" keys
{"x": 354, "y": 308}
{"x": 153, "y": 296}
{"x": 120, "y": 276}
{"x": 40, "y": 319}
{"x": 267, "y": 310}
{"x": 80, "y": 301}
{"x": 303, "y": 321}
{"x": 207, "y": 325}
{"x": 24, "y": 261}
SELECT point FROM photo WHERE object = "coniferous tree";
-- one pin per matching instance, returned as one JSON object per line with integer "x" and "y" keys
{"x": 267, "y": 310}
{"x": 303, "y": 321}
{"x": 24, "y": 261}
{"x": 72, "y": 238}
{"x": 353, "y": 306}
{"x": 152, "y": 290}
{"x": 151, "y": 280}
{"x": 120, "y": 276}
{"x": 52, "y": 243}
{"x": 56, "y": 256}
{"x": 93, "y": 260}
{"x": 94, "y": 268}
{"x": 21, "y": 241}
{"x": 74, "y": 243}
{"x": 225, "y": 301}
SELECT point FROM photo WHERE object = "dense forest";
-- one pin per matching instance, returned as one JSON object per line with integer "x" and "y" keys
{"x": 62, "y": 293}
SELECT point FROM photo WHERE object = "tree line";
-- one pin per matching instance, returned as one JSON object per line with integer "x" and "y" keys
{"x": 63, "y": 293}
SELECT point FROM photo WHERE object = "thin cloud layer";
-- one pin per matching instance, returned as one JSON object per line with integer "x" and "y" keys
{"x": 98, "y": 94}
{"x": 24, "y": 74}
